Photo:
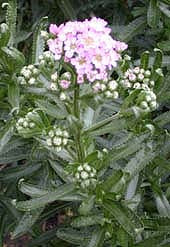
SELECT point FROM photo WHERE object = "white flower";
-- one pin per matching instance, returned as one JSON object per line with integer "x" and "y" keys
{"x": 51, "y": 133}
{"x": 65, "y": 141}
{"x": 148, "y": 98}
{"x": 103, "y": 87}
{"x": 25, "y": 124}
{"x": 20, "y": 120}
{"x": 31, "y": 66}
{"x": 31, "y": 81}
{"x": 35, "y": 71}
{"x": 53, "y": 87}
{"x": 140, "y": 77}
{"x": 62, "y": 96}
{"x": 67, "y": 75}
{"x": 153, "y": 105}
{"x": 147, "y": 73}
{"x": 77, "y": 175}
{"x": 27, "y": 73}
{"x": 80, "y": 168}
{"x": 65, "y": 133}
{"x": 137, "y": 85}
{"x": 49, "y": 142}
{"x": 136, "y": 70}
{"x": 54, "y": 76}
{"x": 84, "y": 175}
{"x": 144, "y": 105}
{"x": 152, "y": 83}
{"x": 58, "y": 132}
{"x": 57, "y": 141}
{"x": 146, "y": 80}
{"x": 112, "y": 85}
{"x": 32, "y": 125}
{"x": 87, "y": 167}
{"x": 142, "y": 71}
{"x": 108, "y": 94}
{"x": 115, "y": 94}
{"x": 132, "y": 77}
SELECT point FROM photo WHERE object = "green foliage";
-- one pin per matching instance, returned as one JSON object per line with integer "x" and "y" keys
{"x": 130, "y": 153}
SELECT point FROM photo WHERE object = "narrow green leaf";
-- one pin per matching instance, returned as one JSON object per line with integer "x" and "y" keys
{"x": 162, "y": 119}
{"x": 122, "y": 237}
{"x": 6, "y": 135}
{"x": 60, "y": 171}
{"x": 57, "y": 194}
{"x": 126, "y": 218}
{"x": 112, "y": 180}
{"x": 87, "y": 205}
{"x": 13, "y": 95}
{"x": 132, "y": 29}
{"x": 73, "y": 236}
{"x": 38, "y": 41}
{"x": 164, "y": 8}
{"x": 84, "y": 221}
{"x": 164, "y": 45}
{"x": 158, "y": 59}
{"x": 97, "y": 238}
{"x": 155, "y": 240}
{"x": 67, "y": 9}
{"x": 152, "y": 14}
{"x": 26, "y": 222}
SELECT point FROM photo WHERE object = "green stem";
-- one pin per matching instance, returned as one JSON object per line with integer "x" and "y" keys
{"x": 76, "y": 110}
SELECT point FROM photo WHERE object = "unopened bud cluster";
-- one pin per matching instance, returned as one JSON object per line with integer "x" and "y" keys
{"x": 57, "y": 138}
{"x": 26, "y": 123}
{"x": 137, "y": 78}
{"x": 107, "y": 89}
{"x": 29, "y": 75}
{"x": 61, "y": 83}
{"x": 85, "y": 176}
{"x": 147, "y": 101}
{"x": 47, "y": 59}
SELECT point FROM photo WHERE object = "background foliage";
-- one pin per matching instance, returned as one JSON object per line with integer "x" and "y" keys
{"x": 144, "y": 25}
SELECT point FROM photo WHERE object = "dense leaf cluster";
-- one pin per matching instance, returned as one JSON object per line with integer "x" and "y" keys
{"x": 129, "y": 151}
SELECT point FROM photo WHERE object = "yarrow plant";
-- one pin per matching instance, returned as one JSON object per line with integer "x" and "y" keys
{"x": 86, "y": 114}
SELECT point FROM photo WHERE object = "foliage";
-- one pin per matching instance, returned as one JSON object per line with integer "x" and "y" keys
{"x": 127, "y": 147}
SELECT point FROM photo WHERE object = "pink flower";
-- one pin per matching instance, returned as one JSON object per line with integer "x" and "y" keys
{"x": 64, "y": 84}
{"x": 88, "y": 46}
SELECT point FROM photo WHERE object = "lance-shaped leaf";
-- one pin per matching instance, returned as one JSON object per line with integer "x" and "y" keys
{"x": 97, "y": 238}
{"x": 26, "y": 222}
{"x": 162, "y": 119}
{"x": 38, "y": 41}
{"x": 159, "y": 224}
{"x": 13, "y": 95}
{"x": 6, "y": 135}
{"x": 126, "y": 218}
{"x": 112, "y": 180}
{"x": 67, "y": 9}
{"x": 84, "y": 221}
{"x": 73, "y": 236}
{"x": 155, "y": 240}
{"x": 152, "y": 13}
{"x": 52, "y": 196}
{"x": 164, "y": 8}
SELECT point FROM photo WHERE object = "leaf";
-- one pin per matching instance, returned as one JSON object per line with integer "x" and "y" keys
{"x": 132, "y": 29}
{"x": 87, "y": 205}
{"x": 160, "y": 224}
{"x": 51, "y": 109}
{"x": 158, "y": 59}
{"x": 152, "y": 14}
{"x": 60, "y": 171}
{"x": 97, "y": 238}
{"x": 126, "y": 218}
{"x": 6, "y": 134}
{"x": 26, "y": 222}
{"x": 164, "y": 9}
{"x": 72, "y": 236}
{"x": 67, "y": 9}
{"x": 112, "y": 180}
{"x": 162, "y": 119}
{"x": 155, "y": 240}
{"x": 38, "y": 41}
{"x": 138, "y": 163}
{"x": 122, "y": 237}
{"x": 13, "y": 173}
{"x": 11, "y": 17}
{"x": 164, "y": 45}
{"x": 57, "y": 194}
{"x": 13, "y": 95}
{"x": 84, "y": 221}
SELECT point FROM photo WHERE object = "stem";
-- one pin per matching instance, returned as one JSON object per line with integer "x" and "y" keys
{"x": 77, "y": 135}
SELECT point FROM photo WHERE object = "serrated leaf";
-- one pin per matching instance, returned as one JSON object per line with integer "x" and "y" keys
{"x": 132, "y": 29}
{"x": 84, "y": 221}
{"x": 38, "y": 41}
{"x": 57, "y": 194}
{"x": 13, "y": 95}
{"x": 72, "y": 236}
{"x": 14, "y": 173}
{"x": 126, "y": 218}
{"x": 138, "y": 163}
{"x": 26, "y": 222}
{"x": 152, "y": 14}
{"x": 97, "y": 238}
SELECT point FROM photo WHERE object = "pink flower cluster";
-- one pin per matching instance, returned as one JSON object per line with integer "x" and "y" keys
{"x": 88, "y": 46}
